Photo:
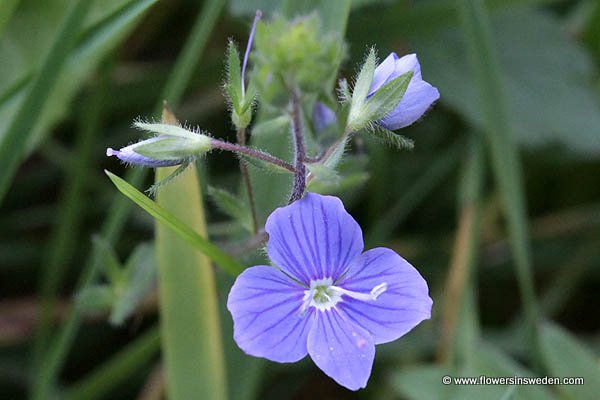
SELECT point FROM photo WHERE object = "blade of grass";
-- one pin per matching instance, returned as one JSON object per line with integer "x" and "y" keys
{"x": 7, "y": 7}
{"x": 14, "y": 140}
{"x": 189, "y": 315}
{"x": 506, "y": 165}
{"x": 65, "y": 231}
{"x": 117, "y": 369}
{"x": 113, "y": 226}
{"x": 175, "y": 224}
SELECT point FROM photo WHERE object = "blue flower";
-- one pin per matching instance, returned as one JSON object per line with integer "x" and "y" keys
{"x": 418, "y": 96}
{"x": 323, "y": 116}
{"x": 325, "y": 297}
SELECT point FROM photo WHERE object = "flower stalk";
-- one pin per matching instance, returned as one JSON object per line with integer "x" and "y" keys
{"x": 300, "y": 151}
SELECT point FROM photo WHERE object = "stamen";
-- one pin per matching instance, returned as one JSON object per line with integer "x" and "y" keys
{"x": 323, "y": 295}
{"x": 378, "y": 290}
{"x": 257, "y": 18}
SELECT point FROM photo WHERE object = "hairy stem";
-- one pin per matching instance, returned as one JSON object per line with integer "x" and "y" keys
{"x": 248, "y": 151}
{"x": 241, "y": 139}
{"x": 298, "y": 136}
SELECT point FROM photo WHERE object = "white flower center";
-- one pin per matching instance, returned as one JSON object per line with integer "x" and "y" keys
{"x": 323, "y": 295}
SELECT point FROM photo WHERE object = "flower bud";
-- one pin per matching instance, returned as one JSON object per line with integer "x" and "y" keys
{"x": 419, "y": 94}
{"x": 164, "y": 150}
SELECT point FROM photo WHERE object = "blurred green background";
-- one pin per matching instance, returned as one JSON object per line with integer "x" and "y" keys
{"x": 498, "y": 205}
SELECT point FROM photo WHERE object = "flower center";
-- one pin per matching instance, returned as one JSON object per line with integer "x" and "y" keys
{"x": 323, "y": 295}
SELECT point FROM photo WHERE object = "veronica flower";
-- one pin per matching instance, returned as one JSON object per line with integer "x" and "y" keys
{"x": 325, "y": 297}
{"x": 418, "y": 96}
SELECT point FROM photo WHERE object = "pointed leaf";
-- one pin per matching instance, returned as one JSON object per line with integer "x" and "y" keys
{"x": 224, "y": 260}
{"x": 232, "y": 206}
{"x": 565, "y": 356}
{"x": 392, "y": 139}
{"x": 233, "y": 86}
{"x": 387, "y": 98}
{"x": 363, "y": 81}
{"x": 141, "y": 275}
{"x": 95, "y": 299}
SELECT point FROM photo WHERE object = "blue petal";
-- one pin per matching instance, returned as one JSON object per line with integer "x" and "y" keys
{"x": 419, "y": 96}
{"x": 128, "y": 155}
{"x": 313, "y": 238}
{"x": 384, "y": 73}
{"x": 344, "y": 351}
{"x": 396, "y": 311}
{"x": 265, "y": 306}
{"x": 323, "y": 116}
{"x": 407, "y": 63}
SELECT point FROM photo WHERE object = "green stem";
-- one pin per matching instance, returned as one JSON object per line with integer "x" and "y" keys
{"x": 241, "y": 140}
{"x": 506, "y": 165}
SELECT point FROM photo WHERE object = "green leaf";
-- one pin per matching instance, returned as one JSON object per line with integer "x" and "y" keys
{"x": 7, "y": 7}
{"x": 95, "y": 299}
{"x": 190, "y": 327}
{"x": 387, "y": 97}
{"x": 35, "y": 101}
{"x": 528, "y": 41}
{"x": 344, "y": 182}
{"x": 565, "y": 356}
{"x": 274, "y": 125}
{"x": 233, "y": 87}
{"x": 506, "y": 164}
{"x": 111, "y": 266}
{"x": 323, "y": 173}
{"x": 423, "y": 382}
{"x": 177, "y": 226}
{"x": 232, "y": 206}
{"x": 357, "y": 117}
{"x": 141, "y": 276}
{"x": 392, "y": 139}
{"x": 14, "y": 139}
{"x": 492, "y": 362}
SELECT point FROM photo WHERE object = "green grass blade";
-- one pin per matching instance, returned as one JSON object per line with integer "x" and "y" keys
{"x": 14, "y": 140}
{"x": 111, "y": 230}
{"x": 506, "y": 165}
{"x": 169, "y": 220}
{"x": 65, "y": 232}
{"x": 117, "y": 369}
{"x": 190, "y": 54}
{"x": 7, "y": 7}
{"x": 189, "y": 314}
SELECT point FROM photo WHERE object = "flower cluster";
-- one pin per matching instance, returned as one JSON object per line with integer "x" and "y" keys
{"x": 325, "y": 297}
